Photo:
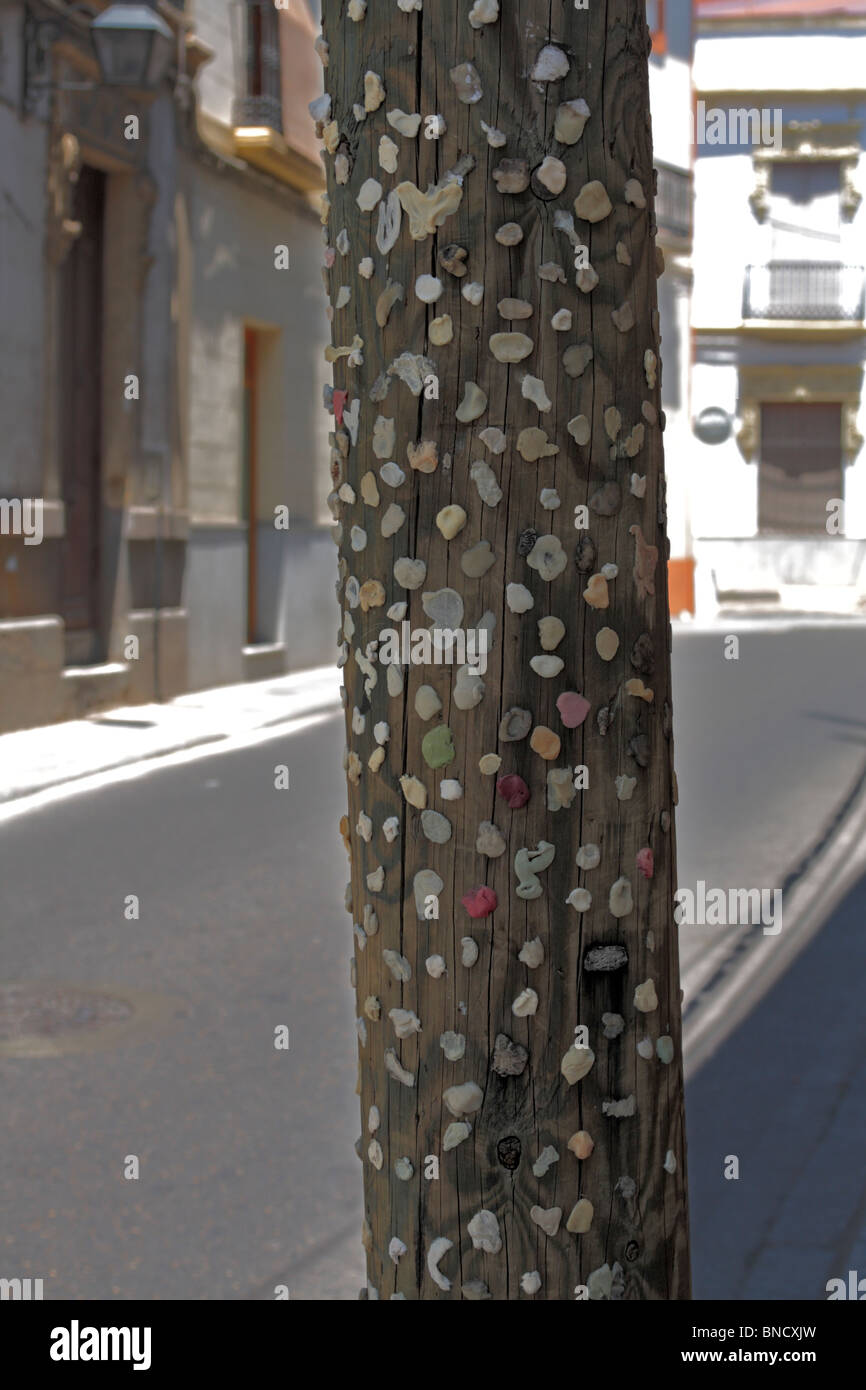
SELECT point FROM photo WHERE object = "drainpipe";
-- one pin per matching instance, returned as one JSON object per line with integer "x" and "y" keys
{"x": 158, "y": 573}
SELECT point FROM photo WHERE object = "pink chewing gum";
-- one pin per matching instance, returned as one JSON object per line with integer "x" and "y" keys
{"x": 480, "y": 902}
{"x": 514, "y": 790}
{"x": 644, "y": 861}
{"x": 573, "y": 708}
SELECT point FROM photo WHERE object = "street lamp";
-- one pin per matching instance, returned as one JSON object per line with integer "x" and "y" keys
{"x": 133, "y": 45}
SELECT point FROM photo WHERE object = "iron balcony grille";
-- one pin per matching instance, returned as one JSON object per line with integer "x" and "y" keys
{"x": 264, "y": 109}
{"x": 804, "y": 290}
{"x": 673, "y": 204}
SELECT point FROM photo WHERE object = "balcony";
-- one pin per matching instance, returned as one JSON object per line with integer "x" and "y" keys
{"x": 804, "y": 292}
{"x": 261, "y": 104}
{"x": 277, "y": 73}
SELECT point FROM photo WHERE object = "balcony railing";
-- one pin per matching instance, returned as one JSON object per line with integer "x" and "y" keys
{"x": 804, "y": 290}
{"x": 673, "y": 205}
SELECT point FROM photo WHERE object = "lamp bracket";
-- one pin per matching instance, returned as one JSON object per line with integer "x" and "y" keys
{"x": 40, "y": 34}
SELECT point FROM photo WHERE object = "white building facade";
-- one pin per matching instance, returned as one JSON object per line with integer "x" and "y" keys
{"x": 162, "y": 335}
{"x": 260, "y": 568}
{"x": 777, "y": 476}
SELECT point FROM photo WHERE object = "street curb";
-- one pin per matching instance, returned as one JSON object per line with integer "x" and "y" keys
{"x": 744, "y": 623}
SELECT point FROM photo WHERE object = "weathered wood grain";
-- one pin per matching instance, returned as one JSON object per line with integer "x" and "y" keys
{"x": 639, "y": 1230}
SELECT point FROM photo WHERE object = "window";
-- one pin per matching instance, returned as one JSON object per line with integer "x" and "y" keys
{"x": 800, "y": 466}
{"x": 805, "y": 198}
{"x": 812, "y": 268}
{"x": 262, "y": 103}
{"x": 673, "y": 205}
{"x": 802, "y": 181}
{"x": 669, "y": 303}
{"x": 805, "y": 211}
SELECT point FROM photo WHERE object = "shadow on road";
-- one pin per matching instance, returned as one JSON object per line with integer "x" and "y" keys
{"x": 835, "y": 719}
{"x": 785, "y": 1095}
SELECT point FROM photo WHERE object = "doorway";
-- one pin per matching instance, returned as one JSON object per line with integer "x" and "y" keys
{"x": 800, "y": 467}
{"x": 250, "y": 479}
{"x": 80, "y": 375}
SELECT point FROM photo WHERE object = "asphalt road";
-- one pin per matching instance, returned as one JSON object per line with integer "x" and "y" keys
{"x": 248, "y": 1178}
{"x": 766, "y": 749}
{"x": 246, "y": 1158}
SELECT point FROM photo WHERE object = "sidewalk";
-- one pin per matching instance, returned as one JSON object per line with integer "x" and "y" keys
{"x": 33, "y": 760}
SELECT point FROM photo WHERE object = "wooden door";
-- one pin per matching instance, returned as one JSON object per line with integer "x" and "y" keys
{"x": 80, "y": 418}
{"x": 800, "y": 467}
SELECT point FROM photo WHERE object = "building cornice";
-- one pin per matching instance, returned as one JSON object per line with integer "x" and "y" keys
{"x": 732, "y": 95}
{"x": 268, "y": 150}
{"x": 800, "y": 331}
{"x": 798, "y": 26}
{"x": 791, "y": 330}
{"x": 212, "y": 144}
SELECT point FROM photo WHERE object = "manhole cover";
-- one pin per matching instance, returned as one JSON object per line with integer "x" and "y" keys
{"x": 27, "y": 1011}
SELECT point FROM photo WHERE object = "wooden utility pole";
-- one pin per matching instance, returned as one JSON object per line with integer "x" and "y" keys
{"x": 497, "y": 468}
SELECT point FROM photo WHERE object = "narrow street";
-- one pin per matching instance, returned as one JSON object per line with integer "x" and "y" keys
{"x": 248, "y": 1177}
{"x": 245, "y": 1152}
